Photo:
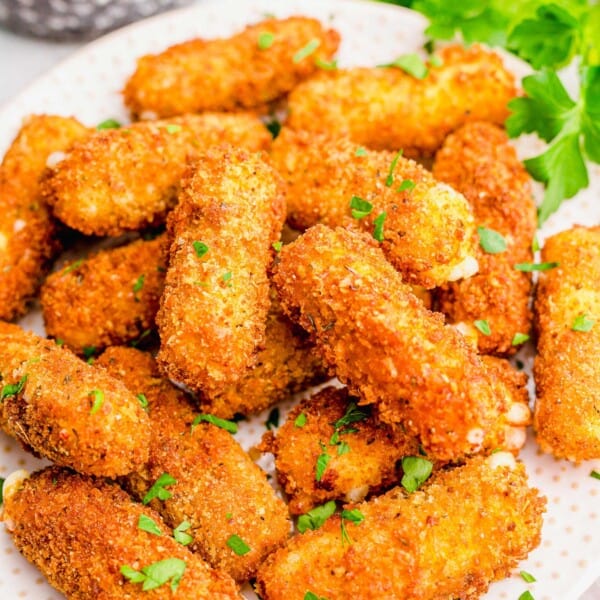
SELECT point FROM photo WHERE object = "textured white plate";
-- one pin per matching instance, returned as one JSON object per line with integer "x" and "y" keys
{"x": 87, "y": 86}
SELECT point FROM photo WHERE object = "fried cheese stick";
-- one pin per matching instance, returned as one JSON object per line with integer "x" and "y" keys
{"x": 213, "y": 312}
{"x": 65, "y": 410}
{"x": 380, "y": 340}
{"x": 81, "y": 532}
{"x": 428, "y": 228}
{"x": 566, "y": 370}
{"x": 125, "y": 179}
{"x": 478, "y": 161}
{"x": 388, "y": 109}
{"x": 108, "y": 299}
{"x": 406, "y": 547}
{"x": 27, "y": 231}
{"x": 219, "y": 491}
{"x": 248, "y": 70}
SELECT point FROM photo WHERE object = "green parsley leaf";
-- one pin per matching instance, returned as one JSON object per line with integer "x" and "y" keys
{"x": 148, "y": 524}
{"x": 322, "y": 462}
{"x": 416, "y": 471}
{"x": 595, "y": 474}
{"x": 311, "y": 596}
{"x": 300, "y": 420}
{"x": 353, "y": 414}
{"x": 88, "y": 352}
{"x": 326, "y": 65}
{"x": 179, "y": 533}
{"x": 406, "y": 186}
{"x": 354, "y": 516}
{"x": 483, "y": 326}
{"x": 582, "y": 323}
{"x": 529, "y": 267}
{"x": 342, "y": 448}
{"x": 157, "y": 574}
{"x": 277, "y": 246}
{"x": 306, "y": 50}
{"x": 412, "y": 64}
{"x": 491, "y": 241}
{"x": 229, "y": 516}
{"x": 226, "y": 277}
{"x": 98, "y": 401}
{"x": 14, "y": 388}
{"x": 527, "y": 577}
{"x": 273, "y": 419}
{"x": 519, "y": 338}
{"x": 73, "y": 266}
{"x": 59, "y": 342}
{"x": 2, "y": 490}
{"x": 389, "y": 180}
{"x": 526, "y": 596}
{"x": 237, "y": 544}
{"x": 435, "y": 61}
{"x": 265, "y": 40}
{"x": 158, "y": 489}
{"x": 138, "y": 285}
{"x": 200, "y": 248}
{"x": 229, "y": 426}
{"x": 274, "y": 126}
{"x": 378, "y": 229}
{"x": 143, "y": 401}
{"x": 135, "y": 343}
{"x": 315, "y": 518}
{"x": 108, "y": 124}
{"x": 131, "y": 574}
{"x": 535, "y": 244}
{"x": 360, "y": 208}
{"x": 360, "y": 151}
{"x": 172, "y": 128}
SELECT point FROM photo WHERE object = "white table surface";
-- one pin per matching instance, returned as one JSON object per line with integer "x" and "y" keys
{"x": 23, "y": 59}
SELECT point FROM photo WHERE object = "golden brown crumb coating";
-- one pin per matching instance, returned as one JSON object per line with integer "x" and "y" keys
{"x": 428, "y": 229}
{"x": 478, "y": 161}
{"x": 27, "y": 232}
{"x": 125, "y": 179}
{"x": 567, "y": 372}
{"x": 80, "y": 531}
{"x": 229, "y": 74}
{"x": 364, "y": 454}
{"x": 388, "y": 109}
{"x": 380, "y": 340}
{"x": 63, "y": 409}
{"x": 406, "y": 547}
{"x": 108, "y": 299}
{"x": 219, "y": 490}
{"x": 213, "y": 312}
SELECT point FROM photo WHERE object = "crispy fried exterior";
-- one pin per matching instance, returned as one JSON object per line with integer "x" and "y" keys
{"x": 125, "y": 179}
{"x": 388, "y": 109}
{"x": 370, "y": 465}
{"x": 213, "y": 312}
{"x": 214, "y": 475}
{"x": 69, "y": 411}
{"x": 380, "y": 340}
{"x": 478, "y": 161}
{"x": 567, "y": 372}
{"x": 111, "y": 298}
{"x": 406, "y": 547}
{"x": 428, "y": 230}
{"x": 27, "y": 232}
{"x": 228, "y": 74}
{"x": 79, "y": 531}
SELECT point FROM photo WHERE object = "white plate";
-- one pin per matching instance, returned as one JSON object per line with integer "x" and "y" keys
{"x": 87, "y": 86}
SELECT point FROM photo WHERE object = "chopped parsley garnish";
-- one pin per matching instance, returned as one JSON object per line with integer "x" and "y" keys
{"x": 229, "y": 516}
{"x": 322, "y": 462}
{"x": 1, "y": 490}
{"x": 172, "y": 128}
{"x": 595, "y": 474}
{"x": 416, "y": 471}
{"x": 88, "y": 353}
{"x": 535, "y": 244}
{"x": 528, "y": 577}
{"x": 354, "y": 516}
{"x": 306, "y": 50}
{"x": 389, "y": 180}
{"x": 143, "y": 401}
{"x": 491, "y": 241}
{"x": 360, "y": 208}
{"x": 158, "y": 489}
{"x": 180, "y": 535}
{"x": 98, "y": 401}
{"x": 265, "y": 40}
{"x": 138, "y": 341}
{"x": 12, "y": 389}
{"x": 378, "y": 229}
{"x": 138, "y": 285}
{"x": 406, "y": 186}
{"x": 274, "y": 127}
{"x": 326, "y": 65}
{"x": 226, "y": 277}
{"x": 273, "y": 419}
{"x": 157, "y": 574}
{"x": 353, "y": 414}
{"x": 59, "y": 342}
{"x": 360, "y": 151}
{"x": 312, "y": 596}
{"x": 519, "y": 338}
{"x": 315, "y": 518}
{"x": 526, "y": 596}
{"x": 229, "y": 426}
{"x": 277, "y": 246}
{"x": 149, "y": 525}
{"x": 200, "y": 248}
{"x": 412, "y": 64}
{"x": 73, "y": 266}
{"x": 108, "y": 124}
{"x": 529, "y": 267}
{"x": 342, "y": 447}
{"x": 300, "y": 420}
{"x": 483, "y": 327}
{"x": 582, "y": 323}
{"x": 238, "y": 545}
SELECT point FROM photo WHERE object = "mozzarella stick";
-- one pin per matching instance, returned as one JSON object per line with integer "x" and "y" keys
{"x": 218, "y": 490}
{"x": 566, "y": 371}
{"x": 125, "y": 179}
{"x": 404, "y": 547}
{"x": 108, "y": 299}
{"x": 249, "y": 70}
{"x": 27, "y": 231}
{"x": 388, "y": 109}
{"x": 427, "y": 228}
{"x": 478, "y": 161}
{"x": 92, "y": 542}
{"x": 63, "y": 409}
{"x": 380, "y": 340}
{"x": 213, "y": 312}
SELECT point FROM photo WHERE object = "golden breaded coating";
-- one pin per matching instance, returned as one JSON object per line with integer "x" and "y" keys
{"x": 65, "y": 410}
{"x": 388, "y": 109}
{"x": 125, "y": 179}
{"x": 213, "y": 312}
{"x": 380, "y": 340}
{"x": 466, "y": 528}
{"x": 288, "y": 363}
{"x": 108, "y": 299}
{"x": 27, "y": 232}
{"x": 80, "y": 532}
{"x": 364, "y": 455}
{"x": 248, "y": 70}
{"x": 219, "y": 490}
{"x": 479, "y": 161}
{"x": 567, "y": 373}
{"x": 428, "y": 228}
